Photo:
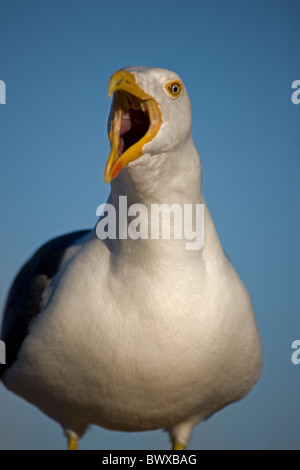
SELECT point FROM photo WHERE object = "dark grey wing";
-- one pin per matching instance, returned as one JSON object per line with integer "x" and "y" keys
{"x": 26, "y": 294}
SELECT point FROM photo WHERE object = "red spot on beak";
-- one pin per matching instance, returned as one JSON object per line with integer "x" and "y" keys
{"x": 117, "y": 168}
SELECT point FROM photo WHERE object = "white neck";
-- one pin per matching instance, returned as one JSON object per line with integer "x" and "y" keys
{"x": 168, "y": 178}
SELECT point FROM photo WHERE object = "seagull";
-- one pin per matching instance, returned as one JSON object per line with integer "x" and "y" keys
{"x": 135, "y": 333}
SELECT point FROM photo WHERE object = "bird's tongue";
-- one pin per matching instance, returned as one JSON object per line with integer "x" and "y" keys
{"x": 125, "y": 124}
{"x": 132, "y": 124}
{"x": 125, "y": 127}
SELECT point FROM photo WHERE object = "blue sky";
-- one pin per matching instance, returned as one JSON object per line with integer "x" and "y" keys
{"x": 238, "y": 60}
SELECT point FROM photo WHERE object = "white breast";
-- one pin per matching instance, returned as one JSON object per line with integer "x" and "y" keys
{"x": 129, "y": 350}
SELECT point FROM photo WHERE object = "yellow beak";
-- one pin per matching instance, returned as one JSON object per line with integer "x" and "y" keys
{"x": 129, "y": 94}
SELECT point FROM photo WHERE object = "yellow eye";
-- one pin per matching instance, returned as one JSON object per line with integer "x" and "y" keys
{"x": 174, "y": 88}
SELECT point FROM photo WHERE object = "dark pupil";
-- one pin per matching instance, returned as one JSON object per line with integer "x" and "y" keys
{"x": 175, "y": 89}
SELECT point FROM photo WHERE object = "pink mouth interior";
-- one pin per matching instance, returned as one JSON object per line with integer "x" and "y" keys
{"x": 125, "y": 127}
{"x": 134, "y": 125}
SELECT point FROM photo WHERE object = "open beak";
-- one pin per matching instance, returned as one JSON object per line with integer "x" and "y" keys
{"x": 135, "y": 120}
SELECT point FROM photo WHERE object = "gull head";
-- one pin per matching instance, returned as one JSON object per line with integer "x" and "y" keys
{"x": 150, "y": 115}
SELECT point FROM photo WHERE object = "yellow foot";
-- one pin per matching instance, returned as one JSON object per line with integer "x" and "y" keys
{"x": 178, "y": 446}
{"x": 72, "y": 443}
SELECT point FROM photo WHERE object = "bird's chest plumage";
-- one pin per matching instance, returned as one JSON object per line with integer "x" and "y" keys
{"x": 135, "y": 350}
